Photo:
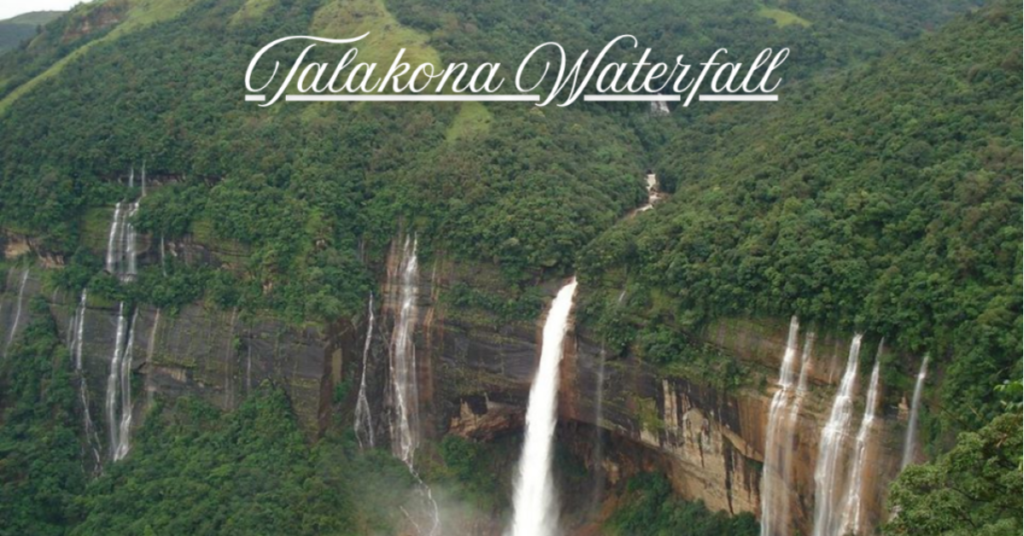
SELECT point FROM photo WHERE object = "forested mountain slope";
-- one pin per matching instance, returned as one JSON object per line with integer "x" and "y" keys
{"x": 120, "y": 83}
{"x": 885, "y": 199}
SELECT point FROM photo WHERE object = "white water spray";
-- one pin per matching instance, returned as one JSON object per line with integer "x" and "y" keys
{"x": 404, "y": 386}
{"x": 659, "y": 108}
{"x": 114, "y": 383}
{"x": 536, "y": 511}
{"x": 125, "y": 426}
{"x": 778, "y": 451}
{"x": 404, "y": 391}
{"x": 364, "y": 421}
{"x": 121, "y": 262}
{"x": 854, "y": 495}
{"x": 833, "y": 437}
{"x": 909, "y": 444}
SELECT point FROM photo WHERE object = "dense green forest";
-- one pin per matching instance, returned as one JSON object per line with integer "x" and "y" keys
{"x": 881, "y": 194}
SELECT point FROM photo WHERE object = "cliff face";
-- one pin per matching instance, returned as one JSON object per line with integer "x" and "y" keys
{"x": 217, "y": 356}
{"x": 708, "y": 439}
{"x": 474, "y": 375}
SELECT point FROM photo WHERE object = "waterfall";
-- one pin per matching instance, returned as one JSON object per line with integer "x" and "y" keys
{"x": 404, "y": 390}
{"x": 121, "y": 262}
{"x": 119, "y": 390}
{"x": 854, "y": 494}
{"x": 113, "y": 241}
{"x": 17, "y": 311}
{"x": 404, "y": 387}
{"x": 915, "y": 407}
{"x": 778, "y": 451}
{"x": 77, "y": 333}
{"x": 833, "y": 435}
{"x": 113, "y": 381}
{"x": 659, "y": 108}
{"x": 121, "y": 247}
{"x": 652, "y": 192}
{"x": 364, "y": 421}
{"x": 124, "y": 429}
{"x": 536, "y": 512}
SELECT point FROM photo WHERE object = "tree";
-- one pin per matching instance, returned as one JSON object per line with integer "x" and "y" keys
{"x": 974, "y": 489}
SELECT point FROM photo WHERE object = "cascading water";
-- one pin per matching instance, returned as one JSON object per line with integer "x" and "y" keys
{"x": 850, "y": 523}
{"x": 114, "y": 382}
{"x": 125, "y": 426}
{"x": 404, "y": 391}
{"x": 652, "y": 193}
{"x": 17, "y": 311}
{"x": 121, "y": 254}
{"x": 909, "y": 445}
{"x": 364, "y": 421}
{"x": 778, "y": 450}
{"x": 827, "y": 476}
{"x": 404, "y": 387}
{"x": 121, "y": 261}
{"x": 77, "y": 332}
{"x": 536, "y": 512}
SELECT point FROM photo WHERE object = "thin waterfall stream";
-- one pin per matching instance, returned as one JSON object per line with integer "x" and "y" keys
{"x": 404, "y": 389}
{"x": 364, "y": 420}
{"x": 827, "y": 473}
{"x": 77, "y": 342}
{"x": 17, "y": 311}
{"x": 909, "y": 443}
{"x": 851, "y": 519}
{"x": 778, "y": 450}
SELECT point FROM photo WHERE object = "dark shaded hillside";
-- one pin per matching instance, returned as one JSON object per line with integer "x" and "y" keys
{"x": 15, "y": 30}
{"x": 886, "y": 200}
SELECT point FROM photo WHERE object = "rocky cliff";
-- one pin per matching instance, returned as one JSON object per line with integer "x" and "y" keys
{"x": 474, "y": 372}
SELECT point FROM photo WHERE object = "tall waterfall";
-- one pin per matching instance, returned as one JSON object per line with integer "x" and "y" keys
{"x": 850, "y": 523}
{"x": 404, "y": 388}
{"x": 778, "y": 449}
{"x": 404, "y": 391}
{"x": 77, "y": 332}
{"x": 118, "y": 397}
{"x": 536, "y": 511}
{"x": 827, "y": 478}
{"x": 125, "y": 425}
{"x": 17, "y": 311}
{"x": 121, "y": 261}
{"x": 364, "y": 421}
{"x": 909, "y": 444}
